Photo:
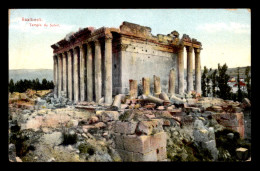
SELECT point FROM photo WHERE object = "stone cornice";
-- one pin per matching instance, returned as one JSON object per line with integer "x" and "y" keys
{"x": 128, "y": 30}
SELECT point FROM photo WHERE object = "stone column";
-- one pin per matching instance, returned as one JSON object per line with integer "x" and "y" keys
{"x": 146, "y": 86}
{"x": 98, "y": 78}
{"x": 133, "y": 89}
{"x": 59, "y": 74}
{"x": 157, "y": 86}
{"x": 108, "y": 69}
{"x": 55, "y": 75}
{"x": 70, "y": 75}
{"x": 189, "y": 69}
{"x": 171, "y": 89}
{"x": 82, "y": 73}
{"x": 64, "y": 74}
{"x": 89, "y": 73}
{"x": 76, "y": 74}
{"x": 180, "y": 67}
{"x": 197, "y": 71}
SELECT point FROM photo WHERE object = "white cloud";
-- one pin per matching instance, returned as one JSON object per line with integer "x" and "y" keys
{"x": 234, "y": 27}
{"x": 17, "y": 24}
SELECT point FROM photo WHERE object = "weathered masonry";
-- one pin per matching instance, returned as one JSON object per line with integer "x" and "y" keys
{"x": 94, "y": 63}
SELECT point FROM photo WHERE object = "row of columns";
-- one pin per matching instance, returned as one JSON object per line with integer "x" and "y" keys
{"x": 73, "y": 66}
{"x": 180, "y": 69}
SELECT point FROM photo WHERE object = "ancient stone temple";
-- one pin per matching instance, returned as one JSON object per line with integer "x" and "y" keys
{"x": 94, "y": 63}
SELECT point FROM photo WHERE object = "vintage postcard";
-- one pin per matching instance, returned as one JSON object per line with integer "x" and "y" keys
{"x": 129, "y": 85}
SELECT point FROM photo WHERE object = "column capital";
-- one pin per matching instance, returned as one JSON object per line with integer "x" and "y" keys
{"x": 81, "y": 46}
{"x": 197, "y": 50}
{"x": 74, "y": 49}
{"x": 97, "y": 42}
{"x": 108, "y": 37}
{"x": 189, "y": 48}
{"x": 69, "y": 51}
{"x": 180, "y": 48}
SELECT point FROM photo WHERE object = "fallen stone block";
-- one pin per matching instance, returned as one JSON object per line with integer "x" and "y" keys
{"x": 139, "y": 144}
{"x": 125, "y": 127}
{"x": 149, "y": 127}
{"x": 164, "y": 96}
{"x": 100, "y": 125}
{"x": 161, "y": 153}
{"x": 176, "y": 100}
{"x": 107, "y": 116}
{"x": 116, "y": 105}
{"x": 150, "y": 156}
{"x": 158, "y": 140}
{"x": 119, "y": 141}
{"x": 93, "y": 119}
{"x": 152, "y": 99}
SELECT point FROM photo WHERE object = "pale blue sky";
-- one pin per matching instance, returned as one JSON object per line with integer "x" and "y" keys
{"x": 225, "y": 34}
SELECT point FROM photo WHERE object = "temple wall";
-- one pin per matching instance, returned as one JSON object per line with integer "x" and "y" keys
{"x": 143, "y": 59}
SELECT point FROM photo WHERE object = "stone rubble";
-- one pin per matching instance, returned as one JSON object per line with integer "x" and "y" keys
{"x": 140, "y": 129}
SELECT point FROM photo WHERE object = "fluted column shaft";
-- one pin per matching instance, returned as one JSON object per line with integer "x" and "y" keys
{"x": 98, "y": 78}
{"x": 64, "y": 73}
{"x": 82, "y": 73}
{"x": 70, "y": 75}
{"x": 59, "y": 74}
{"x": 189, "y": 69}
{"x": 197, "y": 71}
{"x": 89, "y": 73}
{"x": 180, "y": 71}
{"x": 55, "y": 76}
{"x": 76, "y": 75}
{"x": 108, "y": 70}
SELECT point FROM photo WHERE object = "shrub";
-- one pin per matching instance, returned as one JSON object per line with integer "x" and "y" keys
{"x": 69, "y": 138}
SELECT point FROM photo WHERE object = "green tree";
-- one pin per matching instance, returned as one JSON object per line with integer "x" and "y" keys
{"x": 208, "y": 83}
{"x": 11, "y": 86}
{"x": 50, "y": 85}
{"x": 247, "y": 81}
{"x": 214, "y": 82}
{"x": 239, "y": 91}
{"x": 44, "y": 84}
{"x": 203, "y": 81}
{"x": 222, "y": 82}
{"x": 37, "y": 85}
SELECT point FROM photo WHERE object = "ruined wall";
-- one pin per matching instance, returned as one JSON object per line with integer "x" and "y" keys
{"x": 145, "y": 59}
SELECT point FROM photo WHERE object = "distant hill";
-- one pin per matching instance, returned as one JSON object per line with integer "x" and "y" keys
{"x": 30, "y": 74}
{"x": 232, "y": 72}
